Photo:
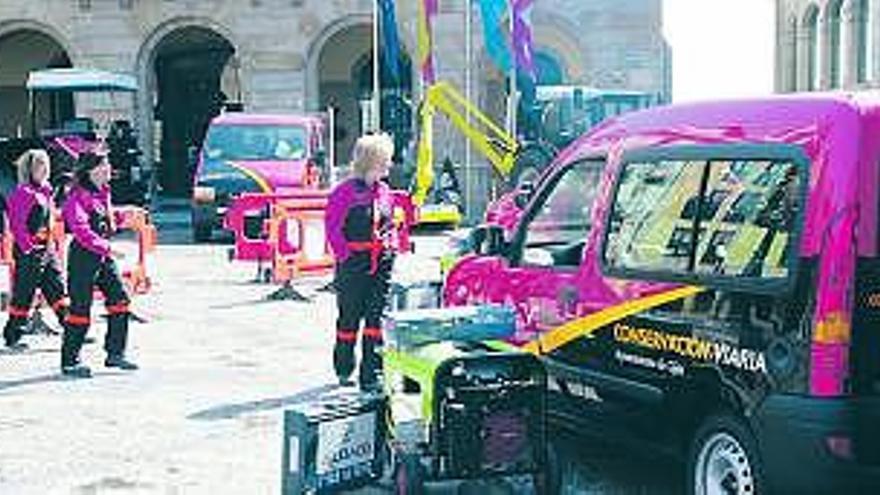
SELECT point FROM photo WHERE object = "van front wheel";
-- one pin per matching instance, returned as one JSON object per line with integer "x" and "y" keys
{"x": 724, "y": 459}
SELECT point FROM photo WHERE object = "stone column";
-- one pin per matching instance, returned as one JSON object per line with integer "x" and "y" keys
{"x": 849, "y": 43}
{"x": 787, "y": 55}
{"x": 824, "y": 49}
{"x": 874, "y": 41}
{"x": 803, "y": 57}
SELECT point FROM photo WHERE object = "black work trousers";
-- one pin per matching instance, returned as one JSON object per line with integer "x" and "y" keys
{"x": 361, "y": 297}
{"x": 35, "y": 270}
{"x": 85, "y": 271}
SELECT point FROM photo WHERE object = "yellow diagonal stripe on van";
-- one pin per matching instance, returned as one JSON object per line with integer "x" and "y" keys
{"x": 587, "y": 325}
{"x": 256, "y": 177}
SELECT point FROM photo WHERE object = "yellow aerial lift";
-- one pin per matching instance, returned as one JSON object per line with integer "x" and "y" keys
{"x": 499, "y": 147}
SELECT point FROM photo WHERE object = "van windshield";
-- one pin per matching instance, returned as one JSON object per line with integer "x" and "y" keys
{"x": 256, "y": 142}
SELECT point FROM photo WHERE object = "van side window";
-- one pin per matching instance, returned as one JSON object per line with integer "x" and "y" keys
{"x": 652, "y": 224}
{"x": 557, "y": 233}
{"x": 716, "y": 218}
{"x": 747, "y": 236}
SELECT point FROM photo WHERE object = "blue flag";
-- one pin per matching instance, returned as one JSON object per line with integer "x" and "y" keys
{"x": 390, "y": 43}
{"x": 495, "y": 32}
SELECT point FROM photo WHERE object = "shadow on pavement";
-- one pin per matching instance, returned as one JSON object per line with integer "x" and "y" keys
{"x": 5, "y": 386}
{"x": 33, "y": 380}
{"x": 230, "y": 411}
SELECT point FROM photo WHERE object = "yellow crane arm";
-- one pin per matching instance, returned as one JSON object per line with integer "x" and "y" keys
{"x": 486, "y": 136}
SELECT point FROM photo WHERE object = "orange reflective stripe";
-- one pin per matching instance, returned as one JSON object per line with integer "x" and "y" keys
{"x": 18, "y": 311}
{"x": 364, "y": 245}
{"x": 42, "y": 235}
{"x": 346, "y": 335}
{"x": 116, "y": 309}
{"x": 60, "y": 304}
{"x": 373, "y": 333}
{"x": 77, "y": 319}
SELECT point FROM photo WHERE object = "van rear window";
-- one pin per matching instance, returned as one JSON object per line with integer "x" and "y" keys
{"x": 728, "y": 218}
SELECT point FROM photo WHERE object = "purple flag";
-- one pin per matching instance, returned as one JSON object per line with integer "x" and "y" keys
{"x": 522, "y": 37}
{"x": 427, "y": 12}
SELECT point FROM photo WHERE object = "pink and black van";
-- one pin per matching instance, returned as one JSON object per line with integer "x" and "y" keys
{"x": 261, "y": 153}
{"x": 705, "y": 279}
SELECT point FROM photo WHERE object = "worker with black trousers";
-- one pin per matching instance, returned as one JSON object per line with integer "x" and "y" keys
{"x": 91, "y": 263}
{"x": 360, "y": 231}
{"x": 36, "y": 263}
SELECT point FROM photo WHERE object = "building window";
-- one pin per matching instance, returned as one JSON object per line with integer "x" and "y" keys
{"x": 126, "y": 4}
{"x": 84, "y": 5}
{"x": 835, "y": 48}
{"x": 811, "y": 26}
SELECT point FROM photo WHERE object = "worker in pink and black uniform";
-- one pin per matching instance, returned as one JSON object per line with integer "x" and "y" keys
{"x": 36, "y": 265}
{"x": 90, "y": 263}
{"x": 360, "y": 231}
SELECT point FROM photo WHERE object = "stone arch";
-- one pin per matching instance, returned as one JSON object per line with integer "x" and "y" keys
{"x": 316, "y": 47}
{"x": 146, "y": 59}
{"x": 31, "y": 45}
{"x": 339, "y": 61}
{"x": 13, "y": 25}
{"x": 556, "y": 35}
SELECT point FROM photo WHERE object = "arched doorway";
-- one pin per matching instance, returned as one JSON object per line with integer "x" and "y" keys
{"x": 396, "y": 103}
{"x": 344, "y": 68}
{"x": 196, "y": 72}
{"x": 22, "y": 51}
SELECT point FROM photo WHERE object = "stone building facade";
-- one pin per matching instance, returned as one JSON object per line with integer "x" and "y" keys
{"x": 296, "y": 55}
{"x": 827, "y": 44}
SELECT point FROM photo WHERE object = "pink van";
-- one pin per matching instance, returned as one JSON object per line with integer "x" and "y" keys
{"x": 245, "y": 152}
{"x": 705, "y": 279}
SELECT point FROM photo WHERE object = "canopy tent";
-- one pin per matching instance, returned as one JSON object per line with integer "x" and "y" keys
{"x": 79, "y": 80}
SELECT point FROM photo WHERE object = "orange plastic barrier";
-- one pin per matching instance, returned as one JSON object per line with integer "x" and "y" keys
{"x": 289, "y": 232}
{"x": 258, "y": 206}
{"x": 296, "y": 234}
{"x": 137, "y": 277}
{"x": 5, "y": 264}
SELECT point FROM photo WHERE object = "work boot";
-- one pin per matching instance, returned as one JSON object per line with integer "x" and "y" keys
{"x": 344, "y": 362}
{"x": 16, "y": 346}
{"x": 76, "y": 371}
{"x": 12, "y": 333}
{"x": 119, "y": 361}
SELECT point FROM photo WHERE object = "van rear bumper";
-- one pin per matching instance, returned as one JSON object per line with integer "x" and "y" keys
{"x": 820, "y": 445}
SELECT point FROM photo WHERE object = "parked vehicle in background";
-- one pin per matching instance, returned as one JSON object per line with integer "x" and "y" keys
{"x": 705, "y": 279}
{"x": 65, "y": 141}
{"x": 245, "y": 152}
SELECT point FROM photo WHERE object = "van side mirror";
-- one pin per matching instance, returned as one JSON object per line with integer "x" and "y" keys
{"x": 488, "y": 240}
{"x": 524, "y": 194}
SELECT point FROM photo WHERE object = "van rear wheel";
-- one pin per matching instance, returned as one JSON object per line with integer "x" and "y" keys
{"x": 724, "y": 459}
